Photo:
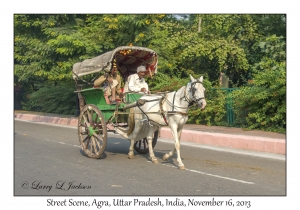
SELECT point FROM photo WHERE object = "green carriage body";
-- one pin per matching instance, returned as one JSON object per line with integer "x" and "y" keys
{"x": 95, "y": 113}
{"x": 96, "y": 96}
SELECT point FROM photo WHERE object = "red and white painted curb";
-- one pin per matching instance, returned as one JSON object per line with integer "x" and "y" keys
{"x": 256, "y": 143}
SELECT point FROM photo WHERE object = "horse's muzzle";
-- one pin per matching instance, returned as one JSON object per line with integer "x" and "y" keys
{"x": 202, "y": 104}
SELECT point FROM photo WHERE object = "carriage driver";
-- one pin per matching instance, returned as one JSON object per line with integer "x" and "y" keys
{"x": 136, "y": 82}
{"x": 112, "y": 81}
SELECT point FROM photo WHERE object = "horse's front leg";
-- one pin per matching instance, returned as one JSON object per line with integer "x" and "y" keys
{"x": 172, "y": 152}
{"x": 176, "y": 135}
{"x": 177, "y": 146}
{"x": 169, "y": 154}
{"x": 131, "y": 152}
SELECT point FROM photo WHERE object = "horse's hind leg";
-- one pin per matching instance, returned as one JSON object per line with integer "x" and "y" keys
{"x": 152, "y": 156}
{"x": 131, "y": 152}
{"x": 132, "y": 137}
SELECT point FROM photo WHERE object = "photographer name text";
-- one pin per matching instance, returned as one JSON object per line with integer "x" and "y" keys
{"x": 60, "y": 185}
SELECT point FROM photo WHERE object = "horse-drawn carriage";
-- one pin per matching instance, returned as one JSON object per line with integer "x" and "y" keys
{"x": 139, "y": 116}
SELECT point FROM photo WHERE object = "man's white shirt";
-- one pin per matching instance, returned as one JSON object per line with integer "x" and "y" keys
{"x": 136, "y": 84}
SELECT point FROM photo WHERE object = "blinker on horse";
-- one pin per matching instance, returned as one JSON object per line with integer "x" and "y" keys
{"x": 170, "y": 109}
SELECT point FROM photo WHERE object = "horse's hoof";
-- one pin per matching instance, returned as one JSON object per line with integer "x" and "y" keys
{"x": 165, "y": 157}
{"x": 130, "y": 156}
{"x": 181, "y": 167}
{"x": 155, "y": 161}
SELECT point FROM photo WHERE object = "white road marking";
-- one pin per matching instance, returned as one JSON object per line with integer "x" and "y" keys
{"x": 116, "y": 186}
{"x": 213, "y": 175}
{"x": 221, "y": 177}
{"x": 59, "y": 142}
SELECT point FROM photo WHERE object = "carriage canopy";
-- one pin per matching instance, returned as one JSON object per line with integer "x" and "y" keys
{"x": 125, "y": 58}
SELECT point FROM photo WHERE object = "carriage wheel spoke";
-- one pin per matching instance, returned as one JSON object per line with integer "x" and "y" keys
{"x": 88, "y": 142}
{"x": 90, "y": 117}
{"x": 98, "y": 125}
{"x": 99, "y": 130}
{"x": 138, "y": 144}
{"x": 98, "y": 142}
{"x": 94, "y": 145}
{"x": 145, "y": 143}
{"x": 98, "y": 137}
{"x": 97, "y": 121}
{"x": 85, "y": 138}
{"x": 85, "y": 120}
{"x": 92, "y": 148}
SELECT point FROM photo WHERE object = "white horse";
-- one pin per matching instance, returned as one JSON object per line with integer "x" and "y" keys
{"x": 170, "y": 110}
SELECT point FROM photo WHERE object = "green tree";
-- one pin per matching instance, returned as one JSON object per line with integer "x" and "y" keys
{"x": 243, "y": 46}
{"x": 263, "y": 102}
{"x": 45, "y": 47}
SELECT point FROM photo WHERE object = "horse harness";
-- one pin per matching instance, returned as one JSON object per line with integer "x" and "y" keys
{"x": 164, "y": 113}
{"x": 164, "y": 99}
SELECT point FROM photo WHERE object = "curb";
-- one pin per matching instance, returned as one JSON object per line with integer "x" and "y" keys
{"x": 256, "y": 143}
{"x": 47, "y": 119}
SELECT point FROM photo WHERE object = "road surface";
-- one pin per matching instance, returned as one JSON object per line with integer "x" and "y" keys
{"x": 48, "y": 161}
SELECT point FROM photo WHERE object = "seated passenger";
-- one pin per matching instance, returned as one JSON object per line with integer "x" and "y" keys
{"x": 112, "y": 83}
{"x": 136, "y": 82}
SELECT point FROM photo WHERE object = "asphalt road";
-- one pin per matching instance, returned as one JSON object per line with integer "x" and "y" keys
{"x": 48, "y": 161}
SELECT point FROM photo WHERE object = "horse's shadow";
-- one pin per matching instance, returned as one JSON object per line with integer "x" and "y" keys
{"x": 110, "y": 150}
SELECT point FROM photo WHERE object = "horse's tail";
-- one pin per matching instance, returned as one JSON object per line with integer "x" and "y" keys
{"x": 130, "y": 121}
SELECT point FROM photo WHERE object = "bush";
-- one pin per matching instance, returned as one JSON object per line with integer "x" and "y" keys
{"x": 264, "y": 102}
{"x": 59, "y": 99}
{"x": 215, "y": 110}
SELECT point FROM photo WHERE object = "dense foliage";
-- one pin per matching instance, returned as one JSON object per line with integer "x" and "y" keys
{"x": 245, "y": 47}
{"x": 51, "y": 99}
{"x": 264, "y": 100}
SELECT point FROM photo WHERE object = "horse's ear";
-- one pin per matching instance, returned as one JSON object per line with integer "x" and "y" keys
{"x": 201, "y": 79}
{"x": 192, "y": 78}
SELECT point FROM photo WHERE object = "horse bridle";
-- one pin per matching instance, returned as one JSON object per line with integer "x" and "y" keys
{"x": 193, "y": 90}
